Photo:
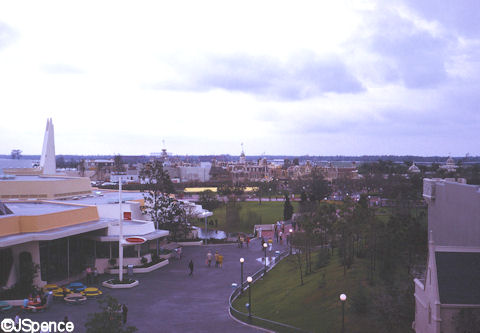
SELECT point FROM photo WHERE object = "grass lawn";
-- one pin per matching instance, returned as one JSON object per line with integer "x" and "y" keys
{"x": 312, "y": 307}
{"x": 251, "y": 213}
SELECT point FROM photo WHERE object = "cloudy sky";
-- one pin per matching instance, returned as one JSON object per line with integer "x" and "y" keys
{"x": 341, "y": 77}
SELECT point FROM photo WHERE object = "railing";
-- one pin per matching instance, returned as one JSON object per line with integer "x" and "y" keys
{"x": 254, "y": 320}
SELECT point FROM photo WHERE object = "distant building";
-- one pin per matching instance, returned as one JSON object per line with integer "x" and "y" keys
{"x": 449, "y": 165}
{"x": 451, "y": 284}
{"x": 413, "y": 168}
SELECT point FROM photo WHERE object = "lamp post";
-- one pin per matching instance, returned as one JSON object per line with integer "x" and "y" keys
{"x": 290, "y": 239}
{"x": 343, "y": 298}
{"x": 249, "y": 280}
{"x": 241, "y": 275}
{"x": 265, "y": 252}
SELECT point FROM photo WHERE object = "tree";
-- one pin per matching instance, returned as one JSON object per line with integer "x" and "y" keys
{"x": 208, "y": 200}
{"x": 118, "y": 164}
{"x": 287, "y": 209}
{"x": 157, "y": 186}
{"x": 16, "y": 154}
{"x": 109, "y": 319}
{"x": 81, "y": 168}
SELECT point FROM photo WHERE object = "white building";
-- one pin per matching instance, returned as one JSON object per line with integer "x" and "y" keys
{"x": 452, "y": 281}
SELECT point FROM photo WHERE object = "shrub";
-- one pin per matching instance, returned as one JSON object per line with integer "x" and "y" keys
{"x": 143, "y": 260}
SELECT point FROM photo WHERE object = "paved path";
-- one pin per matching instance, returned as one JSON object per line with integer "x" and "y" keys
{"x": 168, "y": 300}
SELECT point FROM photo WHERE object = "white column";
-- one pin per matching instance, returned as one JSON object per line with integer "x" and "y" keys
{"x": 120, "y": 234}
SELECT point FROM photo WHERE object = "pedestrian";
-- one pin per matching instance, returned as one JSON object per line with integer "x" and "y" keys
{"x": 238, "y": 241}
{"x": 95, "y": 275}
{"x": 241, "y": 242}
{"x": 261, "y": 243}
{"x": 89, "y": 274}
{"x": 248, "y": 241}
{"x": 220, "y": 260}
{"x": 65, "y": 320}
{"x": 270, "y": 244}
{"x": 209, "y": 258}
{"x": 216, "y": 259}
{"x": 125, "y": 310}
{"x": 281, "y": 238}
{"x": 190, "y": 265}
{"x": 276, "y": 234}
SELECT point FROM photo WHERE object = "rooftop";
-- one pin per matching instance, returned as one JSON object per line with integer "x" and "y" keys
{"x": 32, "y": 178}
{"x": 100, "y": 197}
{"x": 38, "y": 208}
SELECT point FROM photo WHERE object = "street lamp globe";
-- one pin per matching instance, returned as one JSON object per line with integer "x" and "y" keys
{"x": 343, "y": 297}
{"x": 290, "y": 230}
{"x": 249, "y": 279}
{"x": 242, "y": 260}
{"x": 265, "y": 245}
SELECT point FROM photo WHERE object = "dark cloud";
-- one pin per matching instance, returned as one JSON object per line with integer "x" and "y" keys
{"x": 413, "y": 56}
{"x": 7, "y": 35}
{"x": 61, "y": 69}
{"x": 301, "y": 77}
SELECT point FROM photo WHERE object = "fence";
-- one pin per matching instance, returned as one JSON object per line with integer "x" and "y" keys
{"x": 254, "y": 320}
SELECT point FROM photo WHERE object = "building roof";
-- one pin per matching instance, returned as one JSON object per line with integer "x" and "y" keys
{"x": 458, "y": 276}
{"x": 38, "y": 208}
{"x": 56, "y": 233}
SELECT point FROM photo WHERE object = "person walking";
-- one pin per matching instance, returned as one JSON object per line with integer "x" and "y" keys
{"x": 270, "y": 244}
{"x": 220, "y": 260}
{"x": 209, "y": 258}
{"x": 124, "y": 313}
{"x": 216, "y": 259}
{"x": 190, "y": 265}
{"x": 281, "y": 238}
{"x": 248, "y": 241}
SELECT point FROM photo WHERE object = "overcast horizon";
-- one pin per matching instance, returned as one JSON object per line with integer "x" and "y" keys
{"x": 333, "y": 78}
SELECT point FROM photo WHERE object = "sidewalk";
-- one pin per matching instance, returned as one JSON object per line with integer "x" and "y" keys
{"x": 168, "y": 300}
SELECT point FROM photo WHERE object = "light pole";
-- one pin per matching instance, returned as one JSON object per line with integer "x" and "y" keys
{"x": 265, "y": 251}
{"x": 343, "y": 298}
{"x": 120, "y": 234}
{"x": 290, "y": 239}
{"x": 249, "y": 280}
{"x": 241, "y": 275}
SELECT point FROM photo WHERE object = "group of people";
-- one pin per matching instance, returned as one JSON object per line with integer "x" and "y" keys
{"x": 218, "y": 259}
{"x": 92, "y": 275}
{"x": 243, "y": 239}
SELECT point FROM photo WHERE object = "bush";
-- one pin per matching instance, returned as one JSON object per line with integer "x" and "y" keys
{"x": 143, "y": 260}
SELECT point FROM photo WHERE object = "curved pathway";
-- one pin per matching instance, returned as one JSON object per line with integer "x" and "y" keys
{"x": 169, "y": 300}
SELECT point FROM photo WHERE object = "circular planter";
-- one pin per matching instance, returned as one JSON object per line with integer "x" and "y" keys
{"x": 112, "y": 285}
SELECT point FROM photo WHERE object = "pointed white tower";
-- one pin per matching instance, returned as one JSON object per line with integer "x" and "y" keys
{"x": 47, "y": 161}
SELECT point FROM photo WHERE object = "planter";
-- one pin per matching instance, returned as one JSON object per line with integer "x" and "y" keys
{"x": 108, "y": 284}
{"x": 139, "y": 270}
{"x": 190, "y": 243}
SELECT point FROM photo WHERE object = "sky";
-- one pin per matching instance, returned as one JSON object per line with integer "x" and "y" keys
{"x": 339, "y": 77}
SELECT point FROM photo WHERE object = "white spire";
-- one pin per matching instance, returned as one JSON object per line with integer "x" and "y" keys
{"x": 47, "y": 160}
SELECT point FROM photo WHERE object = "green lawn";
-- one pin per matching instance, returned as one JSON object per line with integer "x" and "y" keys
{"x": 251, "y": 213}
{"x": 312, "y": 307}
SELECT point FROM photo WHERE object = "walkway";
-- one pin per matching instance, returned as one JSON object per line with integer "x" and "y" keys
{"x": 168, "y": 300}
